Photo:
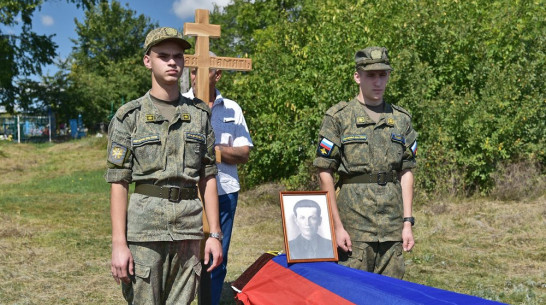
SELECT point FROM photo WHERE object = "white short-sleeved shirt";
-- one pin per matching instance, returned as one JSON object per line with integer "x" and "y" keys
{"x": 230, "y": 129}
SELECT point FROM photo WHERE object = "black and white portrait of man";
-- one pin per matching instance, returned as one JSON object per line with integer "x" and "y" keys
{"x": 308, "y": 243}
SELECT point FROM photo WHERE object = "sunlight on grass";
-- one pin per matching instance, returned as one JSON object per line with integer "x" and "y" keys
{"x": 55, "y": 234}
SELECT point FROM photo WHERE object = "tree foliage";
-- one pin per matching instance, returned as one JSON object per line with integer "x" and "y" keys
{"x": 26, "y": 53}
{"x": 106, "y": 62}
{"x": 470, "y": 72}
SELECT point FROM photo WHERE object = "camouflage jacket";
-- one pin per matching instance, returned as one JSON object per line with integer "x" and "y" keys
{"x": 351, "y": 143}
{"x": 144, "y": 147}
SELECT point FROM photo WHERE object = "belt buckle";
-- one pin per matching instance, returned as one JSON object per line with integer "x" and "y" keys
{"x": 177, "y": 199}
{"x": 382, "y": 178}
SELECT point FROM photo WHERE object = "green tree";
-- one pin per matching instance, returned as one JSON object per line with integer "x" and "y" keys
{"x": 107, "y": 66}
{"x": 242, "y": 17}
{"x": 50, "y": 93}
{"x": 26, "y": 53}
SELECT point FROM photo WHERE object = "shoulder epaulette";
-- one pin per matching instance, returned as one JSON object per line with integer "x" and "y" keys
{"x": 401, "y": 110}
{"x": 126, "y": 108}
{"x": 201, "y": 105}
{"x": 336, "y": 108}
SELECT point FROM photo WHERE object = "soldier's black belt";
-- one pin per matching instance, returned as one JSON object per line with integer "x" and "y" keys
{"x": 173, "y": 193}
{"x": 380, "y": 178}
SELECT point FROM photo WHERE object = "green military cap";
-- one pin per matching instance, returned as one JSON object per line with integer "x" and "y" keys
{"x": 160, "y": 34}
{"x": 372, "y": 58}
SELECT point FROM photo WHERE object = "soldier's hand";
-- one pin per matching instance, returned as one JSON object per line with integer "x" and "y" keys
{"x": 122, "y": 263}
{"x": 344, "y": 240}
{"x": 407, "y": 237}
{"x": 213, "y": 247}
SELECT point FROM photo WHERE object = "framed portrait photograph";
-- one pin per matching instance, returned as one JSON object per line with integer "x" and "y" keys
{"x": 308, "y": 227}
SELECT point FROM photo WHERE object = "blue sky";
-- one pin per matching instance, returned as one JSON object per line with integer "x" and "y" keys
{"x": 57, "y": 17}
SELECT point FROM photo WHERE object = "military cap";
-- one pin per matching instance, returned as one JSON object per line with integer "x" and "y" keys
{"x": 372, "y": 58}
{"x": 160, "y": 34}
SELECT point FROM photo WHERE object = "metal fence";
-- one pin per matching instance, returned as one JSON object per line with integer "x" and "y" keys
{"x": 23, "y": 128}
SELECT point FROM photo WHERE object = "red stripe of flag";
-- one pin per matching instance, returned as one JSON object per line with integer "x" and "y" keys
{"x": 265, "y": 287}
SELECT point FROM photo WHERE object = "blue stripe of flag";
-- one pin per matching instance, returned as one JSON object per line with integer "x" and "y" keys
{"x": 362, "y": 287}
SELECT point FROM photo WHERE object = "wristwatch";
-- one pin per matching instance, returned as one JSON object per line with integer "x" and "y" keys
{"x": 217, "y": 235}
{"x": 410, "y": 220}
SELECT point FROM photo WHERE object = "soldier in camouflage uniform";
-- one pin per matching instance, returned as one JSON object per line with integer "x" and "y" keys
{"x": 162, "y": 142}
{"x": 372, "y": 145}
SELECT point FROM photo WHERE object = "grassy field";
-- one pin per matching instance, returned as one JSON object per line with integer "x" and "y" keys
{"x": 55, "y": 234}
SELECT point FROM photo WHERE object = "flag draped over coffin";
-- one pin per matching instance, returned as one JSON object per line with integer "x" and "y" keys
{"x": 270, "y": 280}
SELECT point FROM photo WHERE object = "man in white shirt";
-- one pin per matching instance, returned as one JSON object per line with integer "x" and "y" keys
{"x": 233, "y": 143}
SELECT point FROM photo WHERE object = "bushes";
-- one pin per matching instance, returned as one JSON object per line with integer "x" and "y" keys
{"x": 516, "y": 180}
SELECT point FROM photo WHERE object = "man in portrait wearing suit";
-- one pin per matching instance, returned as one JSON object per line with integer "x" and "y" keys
{"x": 309, "y": 244}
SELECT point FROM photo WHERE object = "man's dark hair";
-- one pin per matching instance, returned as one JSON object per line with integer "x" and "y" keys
{"x": 306, "y": 203}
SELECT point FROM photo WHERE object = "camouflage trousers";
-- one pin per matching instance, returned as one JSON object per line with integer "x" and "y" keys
{"x": 384, "y": 258}
{"x": 165, "y": 273}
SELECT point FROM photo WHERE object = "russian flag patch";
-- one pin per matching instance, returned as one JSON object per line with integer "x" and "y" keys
{"x": 414, "y": 148}
{"x": 325, "y": 147}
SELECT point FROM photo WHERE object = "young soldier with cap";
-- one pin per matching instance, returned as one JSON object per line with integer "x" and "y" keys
{"x": 162, "y": 142}
{"x": 372, "y": 145}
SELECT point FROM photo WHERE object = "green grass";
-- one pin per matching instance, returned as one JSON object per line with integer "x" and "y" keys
{"x": 55, "y": 234}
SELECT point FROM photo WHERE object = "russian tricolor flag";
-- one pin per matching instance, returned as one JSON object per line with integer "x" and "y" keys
{"x": 326, "y": 146}
{"x": 272, "y": 281}
{"x": 414, "y": 148}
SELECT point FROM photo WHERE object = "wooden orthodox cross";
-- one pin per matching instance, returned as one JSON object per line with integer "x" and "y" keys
{"x": 201, "y": 60}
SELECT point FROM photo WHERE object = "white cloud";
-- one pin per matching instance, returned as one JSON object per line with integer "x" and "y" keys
{"x": 47, "y": 20}
{"x": 186, "y": 8}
